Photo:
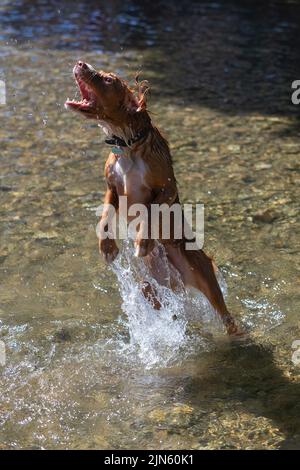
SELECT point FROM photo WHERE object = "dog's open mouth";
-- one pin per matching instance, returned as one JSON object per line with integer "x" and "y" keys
{"x": 88, "y": 103}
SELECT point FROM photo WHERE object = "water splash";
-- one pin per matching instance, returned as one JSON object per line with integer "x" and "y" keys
{"x": 186, "y": 322}
{"x": 158, "y": 336}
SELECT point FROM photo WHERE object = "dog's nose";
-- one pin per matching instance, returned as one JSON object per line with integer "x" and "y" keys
{"x": 82, "y": 65}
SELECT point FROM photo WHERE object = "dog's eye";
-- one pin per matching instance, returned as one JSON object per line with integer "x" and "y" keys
{"x": 108, "y": 80}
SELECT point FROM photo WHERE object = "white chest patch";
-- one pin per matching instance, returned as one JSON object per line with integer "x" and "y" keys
{"x": 130, "y": 172}
{"x": 124, "y": 165}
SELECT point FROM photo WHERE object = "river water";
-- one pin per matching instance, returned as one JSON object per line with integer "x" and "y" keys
{"x": 89, "y": 365}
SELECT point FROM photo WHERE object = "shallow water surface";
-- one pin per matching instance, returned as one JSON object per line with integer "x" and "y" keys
{"x": 88, "y": 363}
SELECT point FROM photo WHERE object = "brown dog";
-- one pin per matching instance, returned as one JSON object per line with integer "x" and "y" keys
{"x": 140, "y": 167}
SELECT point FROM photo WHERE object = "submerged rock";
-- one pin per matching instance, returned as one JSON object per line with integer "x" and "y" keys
{"x": 266, "y": 217}
{"x": 62, "y": 335}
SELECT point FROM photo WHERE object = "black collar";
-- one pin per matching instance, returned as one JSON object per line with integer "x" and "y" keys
{"x": 118, "y": 142}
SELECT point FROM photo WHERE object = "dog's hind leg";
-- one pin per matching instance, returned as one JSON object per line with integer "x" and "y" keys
{"x": 162, "y": 273}
{"x": 205, "y": 280}
{"x": 150, "y": 294}
{"x": 198, "y": 270}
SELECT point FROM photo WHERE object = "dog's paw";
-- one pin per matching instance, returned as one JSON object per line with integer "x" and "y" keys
{"x": 143, "y": 247}
{"x": 232, "y": 328}
{"x": 234, "y": 331}
{"x": 109, "y": 250}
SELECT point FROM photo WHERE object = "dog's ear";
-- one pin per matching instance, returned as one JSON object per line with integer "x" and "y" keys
{"x": 142, "y": 90}
{"x": 142, "y": 99}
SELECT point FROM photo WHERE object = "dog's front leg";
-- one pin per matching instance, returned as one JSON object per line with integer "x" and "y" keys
{"x": 144, "y": 242}
{"x": 107, "y": 244}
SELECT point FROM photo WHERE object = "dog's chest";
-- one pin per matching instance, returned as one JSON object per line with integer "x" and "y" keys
{"x": 130, "y": 175}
